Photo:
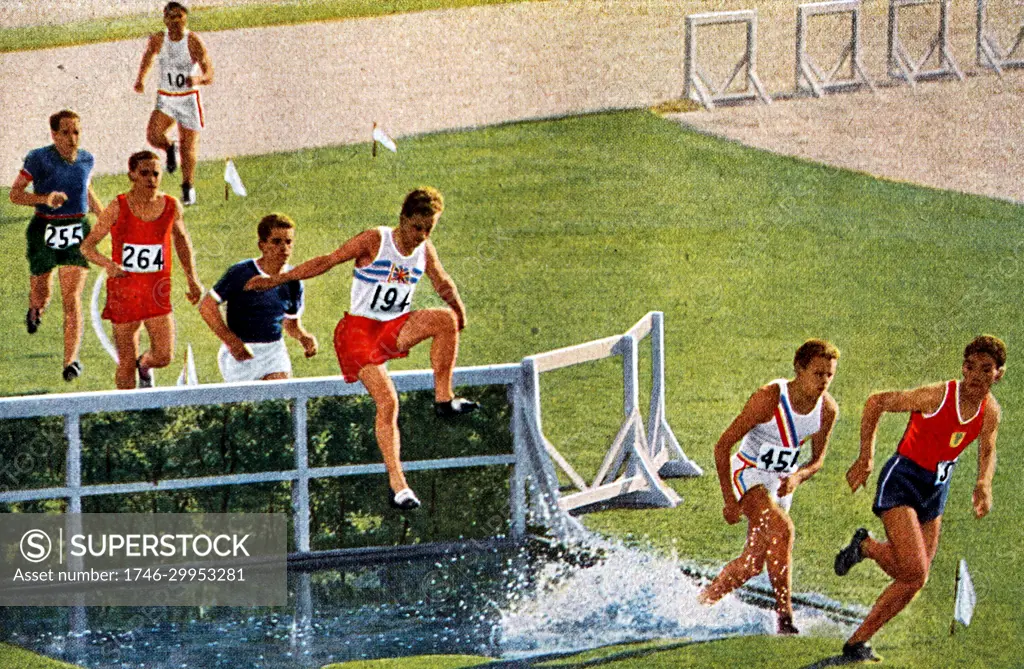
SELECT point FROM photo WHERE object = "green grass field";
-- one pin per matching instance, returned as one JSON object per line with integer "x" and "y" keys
{"x": 218, "y": 18}
{"x": 567, "y": 230}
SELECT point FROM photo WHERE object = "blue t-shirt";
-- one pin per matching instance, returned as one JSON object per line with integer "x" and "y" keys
{"x": 50, "y": 172}
{"x": 256, "y": 315}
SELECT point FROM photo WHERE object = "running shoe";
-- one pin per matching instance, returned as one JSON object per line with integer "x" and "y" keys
{"x": 404, "y": 500}
{"x": 72, "y": 371}
{"x": 32, "y": 320}
{"x": 188, "y": 195}
{"x": 455, "y": 407}
{"x": 172, "y": 158}
{"x": 860, "y": 652}
{"x": 786, "y": 626}
{"x": 146, "y": 379}
{"x": 852, "y": 554}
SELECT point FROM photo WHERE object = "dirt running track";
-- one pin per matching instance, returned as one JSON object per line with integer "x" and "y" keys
{"x": 319, "y": 84}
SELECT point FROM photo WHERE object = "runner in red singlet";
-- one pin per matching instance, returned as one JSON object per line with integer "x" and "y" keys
{"x": 142, "y": 225}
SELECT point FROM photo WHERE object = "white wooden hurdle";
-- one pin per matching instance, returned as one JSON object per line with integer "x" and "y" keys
{"x": 632, "y": 468}
{"x": 699, "y": 86}
{"x": 902, "y": 65}
{"x": 809, "y": 76}
{"x": 989, "y": 53}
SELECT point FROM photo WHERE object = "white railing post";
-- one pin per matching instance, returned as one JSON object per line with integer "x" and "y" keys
{"x": 73, "y": 461}
{"x": 517, "y": 484}
{"x": 300, "y": 486}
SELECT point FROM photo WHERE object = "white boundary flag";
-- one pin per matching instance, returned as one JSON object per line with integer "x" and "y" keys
{"x": 963, "y": 608}
{"x": 189, "y": 376}
{"x": 382, "y": 138}
{"x": 234, "y": 180}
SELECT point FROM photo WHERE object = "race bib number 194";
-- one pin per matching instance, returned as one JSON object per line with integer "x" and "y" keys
{"x": 60, "y": 237}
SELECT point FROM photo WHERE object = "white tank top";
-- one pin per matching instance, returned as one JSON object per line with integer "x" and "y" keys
{"x": 775, "y": 445}
{"x": 383, "y": 289}
{"x": 176, "y": 65}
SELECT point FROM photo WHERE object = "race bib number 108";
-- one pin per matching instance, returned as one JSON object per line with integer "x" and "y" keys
{"x": 142, "y": 258}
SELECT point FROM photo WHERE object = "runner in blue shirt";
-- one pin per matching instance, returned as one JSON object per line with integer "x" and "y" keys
{"x": 252, "y": 339}
{"x": 62, "y": 195}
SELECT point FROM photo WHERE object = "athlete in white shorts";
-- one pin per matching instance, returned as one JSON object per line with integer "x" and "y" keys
{"x": 184, "y": 65}
{"x": 759, "y": 480}
{"x": 252, "y": 341}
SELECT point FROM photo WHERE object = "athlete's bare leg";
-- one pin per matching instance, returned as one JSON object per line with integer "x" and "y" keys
{"x": 382, "y": 390}
{"x": 189, "y": 153}
{"x": 156, "y": 130}
{"x": 126, "y": 339}
{"x": 161, "y": 342}
{"x": 906, "y": 557}
{"x": 442, "y": 326}
{"x": 39, "y": 291}
{"x": 72, "y": 283}
{"x": 769, "y": 543}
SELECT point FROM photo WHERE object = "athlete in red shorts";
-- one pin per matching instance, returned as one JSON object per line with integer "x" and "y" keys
{"x": 142, "y": 224}
{"x": 381, "y": 325}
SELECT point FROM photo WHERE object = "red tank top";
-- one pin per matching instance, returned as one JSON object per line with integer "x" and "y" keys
{"x": 941, "y": 436}
{"x": 143, "y": 247}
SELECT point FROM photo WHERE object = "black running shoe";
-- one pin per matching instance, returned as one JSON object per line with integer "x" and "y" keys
{"x": 860, "y": 652}
{"x": 786, "y": 626}
{"x": 172, "y": 158}
{"x": 146, "y": 379}
{"x": 404, "y": 500}
{"x": 72, "y": 371}
{"x": 33, "y": 320}
{"x": 851, "y": 555}
{"x": 455, "y": 407}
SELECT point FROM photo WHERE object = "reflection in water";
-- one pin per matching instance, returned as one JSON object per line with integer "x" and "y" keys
{"x": 509, "y": 602}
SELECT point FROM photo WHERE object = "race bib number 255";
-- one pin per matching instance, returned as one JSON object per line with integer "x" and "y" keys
{"x": 60, "y": 237}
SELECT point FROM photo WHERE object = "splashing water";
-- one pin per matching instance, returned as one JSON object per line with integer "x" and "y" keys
{"x": 629, "y": 595}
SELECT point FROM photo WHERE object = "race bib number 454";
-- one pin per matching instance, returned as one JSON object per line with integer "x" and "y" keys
{"x": 60, "y": 237}
{"x": 142, "y": 258}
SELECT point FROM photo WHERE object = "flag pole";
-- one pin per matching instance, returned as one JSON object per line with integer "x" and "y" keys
{"x": 956, "y": 593}
{"x": 226, "y": 161}
{"x": 373, "y": 134}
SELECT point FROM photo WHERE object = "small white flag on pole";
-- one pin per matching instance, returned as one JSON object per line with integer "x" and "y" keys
{"x": 382, "y": 138}
{"x": 963, "y": 609}
{"x": 232, "y": 178}
{"x": 189, "y": 376}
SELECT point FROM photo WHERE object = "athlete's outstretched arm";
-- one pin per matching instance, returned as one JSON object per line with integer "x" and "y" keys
{"x": 359, "y": 245}
{"x": 819, "y": 446}
{"x": 444, "y": 286}
{"x": 925, "y": 399}
{"x": 982, "y": 497}
{"x": 183, "y": 247}
{"x": 156, "y": 40}
{"x": 758, "y": 409}
{"x": 105, "y": 221}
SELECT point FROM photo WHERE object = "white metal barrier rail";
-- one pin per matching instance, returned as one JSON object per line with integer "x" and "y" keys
{"x": 637, "y": 457}
{"x": 989, "y": 53}
{"x": 699, "y": 86}
{"x": 72, "y": 406}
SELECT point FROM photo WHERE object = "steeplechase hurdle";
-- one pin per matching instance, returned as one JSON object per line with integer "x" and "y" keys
{"x": 639, "y": 455}
{"x": 809, "y": 76}
{"x": 637, "y": 459}
{"x": 989, "y": 53}
{"x": 699, "y": 86}
{"x": 902, "y": 65}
